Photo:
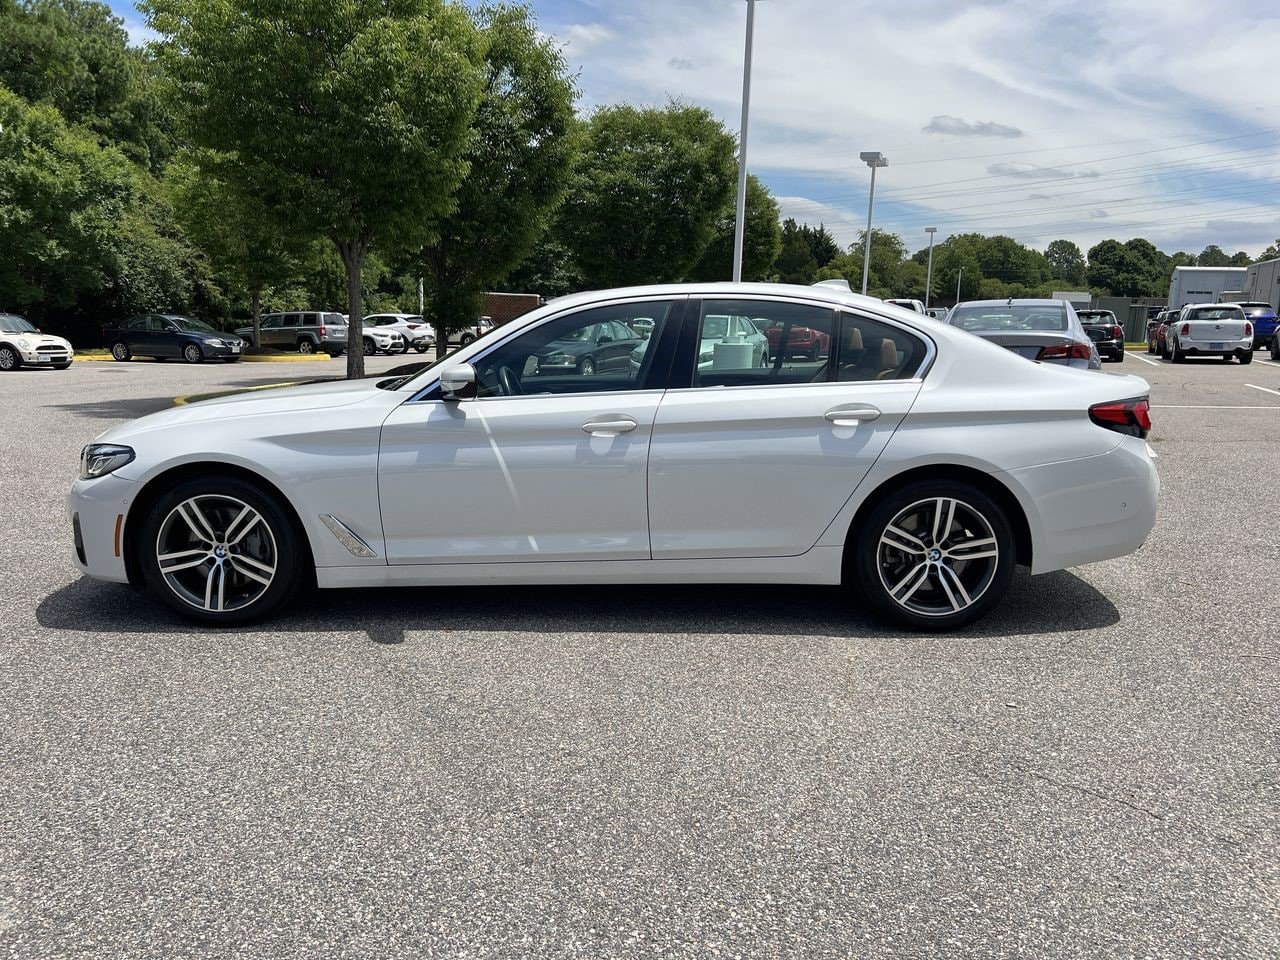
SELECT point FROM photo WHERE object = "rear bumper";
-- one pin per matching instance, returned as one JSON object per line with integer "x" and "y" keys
{"x": 1093, "y": 509}
{"x": 1215, "y": 347}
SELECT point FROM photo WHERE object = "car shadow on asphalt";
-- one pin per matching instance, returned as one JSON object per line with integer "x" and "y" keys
{"x": 1057, "y": 602}
{"x": 125, "y": 409}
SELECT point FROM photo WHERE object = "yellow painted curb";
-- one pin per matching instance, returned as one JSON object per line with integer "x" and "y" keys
{"x": 197, "y": 397}
{"x": 244, "y": 358}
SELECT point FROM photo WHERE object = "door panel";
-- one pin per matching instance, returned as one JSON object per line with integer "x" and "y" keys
{"x": 762, "y": 471}
{"x": 548, "y": 477}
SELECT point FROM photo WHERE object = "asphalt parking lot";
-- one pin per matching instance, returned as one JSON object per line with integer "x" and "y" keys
{"x": 1093, "y": 771}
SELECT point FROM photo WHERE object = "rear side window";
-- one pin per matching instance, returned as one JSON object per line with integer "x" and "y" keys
{"x": 762, "y": 342}
{"x": 293, "y": 320}
{"x": 335, "y": 319}
{"x": 872, "y": 350}
{"x": 308, "y": 319}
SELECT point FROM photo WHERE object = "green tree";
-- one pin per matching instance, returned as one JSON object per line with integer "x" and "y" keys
{"x": 548, "y": 270}
{"x": 1116, "y": 268}
{"x": 1213, "y": 256}
{"x": 795, "y": 262}
{"x": 62, "y": 198}
{"x": 1271, "y": 253}
{"x": 519, "y": 162}
{"x": 761, "y": 238}
{"x": 1241, "y": 259}
{"x": 1066, "y": 262}
{"x": 887, "y": 255}
{"x": 235, "y": 231}
{"x": 350, "y": 122}
{"x": 821, "y": 243}
{"x": 647, "y": 192}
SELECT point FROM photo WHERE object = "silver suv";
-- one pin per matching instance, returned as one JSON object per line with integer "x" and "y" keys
{"x": 307, "y": 331}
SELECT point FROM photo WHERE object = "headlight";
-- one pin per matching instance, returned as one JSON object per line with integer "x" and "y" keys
{"x": 99, "y": 459}
{"x": 213, "y": 342}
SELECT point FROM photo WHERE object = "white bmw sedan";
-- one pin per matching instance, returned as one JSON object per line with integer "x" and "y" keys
{"x": 914, "y": 464}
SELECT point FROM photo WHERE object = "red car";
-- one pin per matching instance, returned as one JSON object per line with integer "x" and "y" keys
{"x": 1155, "y": 332}
{"x": 801, "y": 341}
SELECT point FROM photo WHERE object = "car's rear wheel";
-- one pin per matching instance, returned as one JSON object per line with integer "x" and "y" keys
{"x": 467, "y": 338}
{"x": 1176, "y": 354}
{"x": 9, "y": 359}
{"x": 306, "y": 346}
{"x": 420, "y": 346}
{"x": 1246, "y": 356}
{"x": 935, "y": 555}
{"x": 1275, "y": 348}
{"x": 220, "y": 549}
{"x": 120, "y": 351}
{"x": 192, "y": 354}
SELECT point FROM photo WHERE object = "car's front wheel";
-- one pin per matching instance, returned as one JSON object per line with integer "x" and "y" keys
{"x": 220, "y": 549}
{"x": 192, "y": 353}
{"x": 370, "y": 348}
{"x": 935, "y": 555}
{"x": 587, "y": 367}
{"x": 120, "y": 351}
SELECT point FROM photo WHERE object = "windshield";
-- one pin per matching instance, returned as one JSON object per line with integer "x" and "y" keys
{"x": 1002, "y": 316}
{"x": 12, "y": 323}
{"x": 191, "y": 323}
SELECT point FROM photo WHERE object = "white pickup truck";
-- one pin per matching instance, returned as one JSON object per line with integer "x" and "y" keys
{"x": 1210, "y": 329}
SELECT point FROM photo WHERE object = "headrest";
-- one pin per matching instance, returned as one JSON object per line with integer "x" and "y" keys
{"x": 888, "y": 354}
{"x": 854, "y": 338}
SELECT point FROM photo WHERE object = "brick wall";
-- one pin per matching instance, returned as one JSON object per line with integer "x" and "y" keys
{"x": 502, "y": 307}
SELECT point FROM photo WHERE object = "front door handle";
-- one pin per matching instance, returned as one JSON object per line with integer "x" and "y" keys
{"x": 852, "y": 414}
{"x": 610, "y": 425}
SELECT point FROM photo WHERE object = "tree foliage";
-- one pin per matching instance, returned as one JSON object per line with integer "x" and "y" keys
{"x": 518, "y": 164}
{"x": 647, "y": 192}
{"x": 761, "y": 238}
{"x": 349, "y": 123}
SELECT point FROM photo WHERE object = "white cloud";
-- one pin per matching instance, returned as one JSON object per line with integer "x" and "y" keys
{"x": 1099, "y": 91}
{"x": 139, "y": 33}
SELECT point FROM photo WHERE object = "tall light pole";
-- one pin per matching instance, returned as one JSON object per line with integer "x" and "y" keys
{"x": 872, "y": 160}
{"x": 928, "y": 277}
{"x": 739, "y": 223}
{"x": 959, "y": 277}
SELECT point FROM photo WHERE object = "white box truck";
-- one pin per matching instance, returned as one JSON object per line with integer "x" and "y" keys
{"x": 1262, "y": 283}
{"x": 1203, "y": 284}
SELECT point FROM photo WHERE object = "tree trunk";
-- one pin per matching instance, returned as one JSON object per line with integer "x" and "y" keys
{"x": 256, "y": 295}
{"x": 352, "y": 253}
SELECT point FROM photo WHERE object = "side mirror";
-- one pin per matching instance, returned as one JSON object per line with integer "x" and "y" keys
{"x": 458, "y": 382}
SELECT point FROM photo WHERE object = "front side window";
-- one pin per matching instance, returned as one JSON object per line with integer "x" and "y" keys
{"x": 762, "y": 342}
{"x": 590, "y": 351}
{"x": 271, "y": 320}
{"x": 873, "y": 350}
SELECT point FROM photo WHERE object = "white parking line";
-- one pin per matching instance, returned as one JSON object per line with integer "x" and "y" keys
{"x": 1269, "y": 363}
{"x": 1154, "y": 363}
{"x": 1263, "y": 389}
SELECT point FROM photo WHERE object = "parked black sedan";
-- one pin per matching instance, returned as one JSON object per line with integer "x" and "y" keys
{"x": 164, "y": 335}
{"x": 1105, "y": 331}
{"x": 596, "y": 348}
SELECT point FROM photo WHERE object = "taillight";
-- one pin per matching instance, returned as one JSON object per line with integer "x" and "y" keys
{"x": 1248, "y": 329}
{"x": 1130, "y": 417}
{"x": 1117, "y": 333}
{"x": 321, "y": 331}
{"x": 1186, "y": 329}
{"x": 1065, "y": 351}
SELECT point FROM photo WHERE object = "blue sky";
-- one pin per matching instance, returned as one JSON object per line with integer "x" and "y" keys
{"x": 1083, "y": 119}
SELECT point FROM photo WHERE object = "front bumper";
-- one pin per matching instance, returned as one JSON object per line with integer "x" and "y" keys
{"x": 221, "y": 353}
{"x": 98, "y": 510}
{"x": 46, "y": 357}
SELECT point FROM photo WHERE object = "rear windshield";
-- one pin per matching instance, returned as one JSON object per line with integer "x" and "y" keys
{"x": 1217, "y": 313}
{"x": 1009, "y": 317}
{"x": 1258, "y": 310}
{"x": 335, "y": 320}
{"x": 1096, "y": 316}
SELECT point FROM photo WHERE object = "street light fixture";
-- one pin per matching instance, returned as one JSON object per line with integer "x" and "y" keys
{"x": 928, "y": 281}
{"x": 872, "y": 160}
{"x": 739, "y": 222}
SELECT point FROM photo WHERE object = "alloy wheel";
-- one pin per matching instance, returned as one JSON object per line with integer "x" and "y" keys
{"x": 8, "y": 359}
{"x": 937, "y": 557}
{"x": 216, "y": 553}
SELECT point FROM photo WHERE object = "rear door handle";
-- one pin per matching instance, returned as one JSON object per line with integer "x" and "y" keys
{"x": 610, "y": 425}
{"x": 852, "y": 414}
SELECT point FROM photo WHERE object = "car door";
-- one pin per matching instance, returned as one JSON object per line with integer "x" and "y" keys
{"x": 137, "y": 337}
{"x": 751, "y": 461}
{"x": 543, "y": 464}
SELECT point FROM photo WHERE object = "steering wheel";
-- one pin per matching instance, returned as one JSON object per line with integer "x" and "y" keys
{"x": 509, "y": 381}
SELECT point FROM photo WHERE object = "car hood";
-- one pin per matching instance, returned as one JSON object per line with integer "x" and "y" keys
{"x": 41, "y": 339}
{"x": 282, "y": 401}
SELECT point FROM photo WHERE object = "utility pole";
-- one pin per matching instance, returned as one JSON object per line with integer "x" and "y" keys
{"x": 928, "y": 282}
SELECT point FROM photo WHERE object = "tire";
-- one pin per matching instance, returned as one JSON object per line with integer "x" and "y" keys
{"x": 764, "y": 359}
{"x": 306, "y": 346}
{"x": 936, "y": 591}
{"x": 192, "y": 354}
{"x": 370, "y": 348}
{"x": 1164, "y": 349}
{"x": 1151, "y": 347}
{"x": 9, "y": 359}
{"x": 1246, "y": 357}
{"x": 466, "y": 339}
{"x": 336, "y": 353}
{"x": 587, "y": 367}
{"x": 420, "y": 347}
{"x": 1176, "y": 354}
{"x": 194, "y": 518}
{"x": 1275, "y": 348}
{"x": 120, "y": 351}
{"x": 1120, "y": 359}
